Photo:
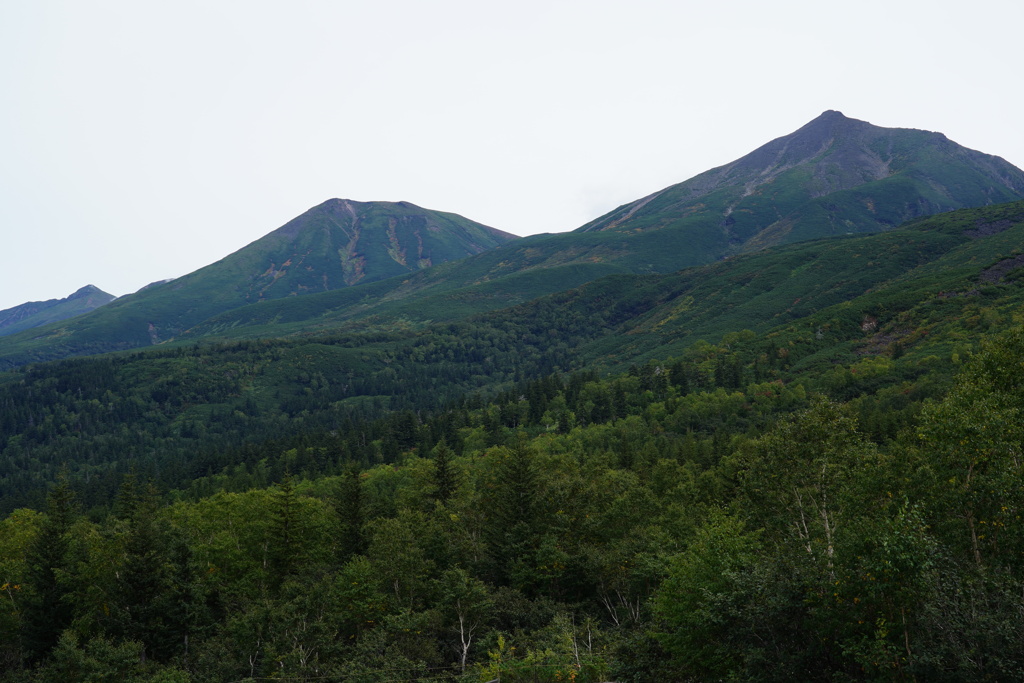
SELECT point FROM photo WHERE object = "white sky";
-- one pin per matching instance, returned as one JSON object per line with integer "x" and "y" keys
{"x": 141, "y": 140}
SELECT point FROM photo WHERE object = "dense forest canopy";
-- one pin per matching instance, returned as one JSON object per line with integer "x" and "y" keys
{"x": 576, "y": 488}
{"x": 678, "y": 521}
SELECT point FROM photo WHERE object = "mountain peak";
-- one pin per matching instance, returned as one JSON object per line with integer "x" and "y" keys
{"x": 831, "y": 114}
{"x": 333, "y": 245}
{"x": 342, "y": 242}
{"x": 36, "y": 313}
{"x": 817, "y": 133}
{"x": 833, "y": 175}
{"x": 88, "y": 290}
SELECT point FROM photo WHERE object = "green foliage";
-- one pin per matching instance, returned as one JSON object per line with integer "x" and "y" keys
{"x": 697, "y": 602}
{"x": 445, "y": 475}
{"x": 100, "y": 660}
{"x": 17, "y": 533}
{"x": 750, "y": 533}
{"x": 793, "y": 501}
{"x": 971, "y": 441}
{"x": 348, "y": 505}
{"x": 46, "y": 612}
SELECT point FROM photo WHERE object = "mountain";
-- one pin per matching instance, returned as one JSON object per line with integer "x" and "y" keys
{"x": 833, "y": 176}
{"x": 341, "y": 243}
{"x": 337, "y": 244}
{"x": 36, "y": 313}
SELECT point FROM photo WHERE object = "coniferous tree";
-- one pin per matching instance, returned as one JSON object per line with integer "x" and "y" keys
{"x": 183, "y": 603}
{"x": 283, "y": 546}
{"x": 47, "y": 612}
{"x": 348, "y": 504}
{"x": 511, "y": 511}
{"x": 140, "y": 579}
{"x": 445, "y": 476}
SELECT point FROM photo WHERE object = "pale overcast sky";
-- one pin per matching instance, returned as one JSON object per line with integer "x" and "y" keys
{"x": 141, "y": 140}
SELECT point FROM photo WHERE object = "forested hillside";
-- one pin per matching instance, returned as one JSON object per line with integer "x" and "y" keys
{"x": 665, "y": 524}
{"x": 803, "y": 464}
{"x": 910, "y": 299}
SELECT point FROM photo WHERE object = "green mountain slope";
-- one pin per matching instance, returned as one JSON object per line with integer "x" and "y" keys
{"x": 37, "y": 313}
{"x": 840, "y": 298}
{"x": 834, "y": 295}
{"x": 915, "y": 296}
{"x": 740, "y": 291}
{"x": 509, "y": 275}
{"x": 833, "y": 176}
{"x": 335, "y": 245}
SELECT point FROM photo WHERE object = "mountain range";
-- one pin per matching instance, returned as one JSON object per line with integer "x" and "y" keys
{"x": 373, "y": 263}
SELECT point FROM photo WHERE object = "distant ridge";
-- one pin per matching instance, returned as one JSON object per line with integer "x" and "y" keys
{"x": 36, "y": 313}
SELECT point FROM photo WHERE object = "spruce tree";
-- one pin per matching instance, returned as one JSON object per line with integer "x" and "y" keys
{"x": 445, "y": 476}
{"x": 47, "y": 612}
{"x": 511, "y": 528}
{"x": 141, "y": 577}
{"x": 284, "y": 547}
{"x": 348, "y": 504}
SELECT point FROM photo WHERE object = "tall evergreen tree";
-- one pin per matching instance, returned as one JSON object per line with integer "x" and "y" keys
{"x": 183, "y": 603}
{"x": 348, "y": 504}
{"x": 511, "y": 511}
{"x": 283, "y": 547}
{"x": 140, "y": 579}
{"x": 445, "y": 476}
{"x": 47, "y": 612}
